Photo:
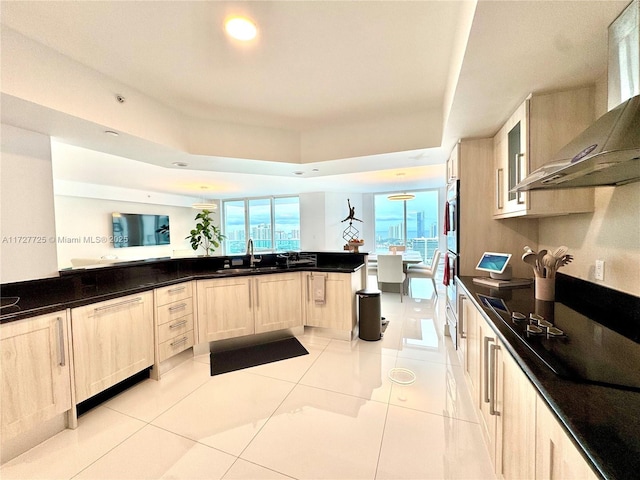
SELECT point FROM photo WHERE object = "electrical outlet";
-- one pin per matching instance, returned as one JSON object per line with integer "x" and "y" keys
{"x": 599, "y": 271}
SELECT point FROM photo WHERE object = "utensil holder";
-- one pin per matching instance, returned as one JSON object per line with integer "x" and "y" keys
{"x": 545, "y": 288}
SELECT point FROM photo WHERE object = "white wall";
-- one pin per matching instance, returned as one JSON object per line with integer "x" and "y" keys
{"x": 28, "y": 249}
{"x": 321, "y": 215}
{"x": 82, "y": 220}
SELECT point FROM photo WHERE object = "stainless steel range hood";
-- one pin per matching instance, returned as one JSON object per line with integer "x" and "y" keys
{"x": 606, "y": 153}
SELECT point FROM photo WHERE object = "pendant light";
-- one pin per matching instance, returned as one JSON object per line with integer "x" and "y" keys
{"x": 205, "y": 204}
{"x": 400, "y": 197}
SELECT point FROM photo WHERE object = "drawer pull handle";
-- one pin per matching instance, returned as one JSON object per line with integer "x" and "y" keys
{"x": 63, "y": 359}
{"x": 178, "y": 324}
{"x": 177, "y": 307}
{"x": 177, "y": 289}
{"x": 179, "y": 342}
{"x": 119, "y": 304}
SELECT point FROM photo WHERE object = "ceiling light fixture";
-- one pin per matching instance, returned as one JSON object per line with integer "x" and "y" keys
{"x": 401, "y": 196}
{"x": 241, "y": 28}
{"x": 180, "y": 164}
{"x": 112, "y": 133}
{"x": 205, "y": 204}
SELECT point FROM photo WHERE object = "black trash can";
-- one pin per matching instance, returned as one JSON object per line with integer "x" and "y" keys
{"x": 369, "y": 317}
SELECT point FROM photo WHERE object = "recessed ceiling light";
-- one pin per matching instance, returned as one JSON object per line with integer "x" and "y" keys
{"x": 241, "y": 28}
{"x": 180, "y": 164}
{"x": 112, "y": 133}
{"x": 298, "y": 172}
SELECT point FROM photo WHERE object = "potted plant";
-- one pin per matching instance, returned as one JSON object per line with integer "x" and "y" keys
{"x": 206, "y": 234}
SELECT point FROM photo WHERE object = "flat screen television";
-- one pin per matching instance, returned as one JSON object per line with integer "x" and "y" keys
{"x": 139, "y": 230}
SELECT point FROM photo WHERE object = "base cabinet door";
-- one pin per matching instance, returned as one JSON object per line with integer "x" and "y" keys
{"x": 490, "y": 402}
{"x": 471, "y": 361}
{"x": 112, "y": 341}
{"x": 225, "y": 308}
{"x": 334, "y": 309}
{"x": 278, "y": 302}
{"x": 35, "y": 373}
{"x": 556, "y": 455}
{"x": 517, "y": 421}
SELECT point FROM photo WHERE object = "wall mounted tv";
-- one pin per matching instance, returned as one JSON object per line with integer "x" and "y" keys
{"x": 139, "y": 230}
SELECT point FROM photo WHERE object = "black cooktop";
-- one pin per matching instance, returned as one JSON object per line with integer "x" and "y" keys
{"x": 573, "y": 345}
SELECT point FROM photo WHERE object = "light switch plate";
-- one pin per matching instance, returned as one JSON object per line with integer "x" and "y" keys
{"x": 599, "y": 271}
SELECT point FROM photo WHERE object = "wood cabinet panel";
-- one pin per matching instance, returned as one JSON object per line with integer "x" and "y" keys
{"x": 174, "y": 310}
{"x": 35, "y": 374}
{"x": 225, "y": 308}
{"x": 175, "y": 328}
{"x": 556, "y": 455}
{"x": 175, "y": 345}
{"x": 537, "y": 130}
{"x": 173, "y": 293}
{"x": 278, "y": 302}
{"x": 112, "y": 341}
{"x": 337, "y": 312}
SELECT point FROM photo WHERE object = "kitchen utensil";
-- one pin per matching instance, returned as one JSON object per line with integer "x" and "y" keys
{"x": 563, "y": 261}
{"x": 530, "y": 258}
{"x": 549, "y": 263}
{"x": 560, "y": 251}
{"x": 539, "y": 264}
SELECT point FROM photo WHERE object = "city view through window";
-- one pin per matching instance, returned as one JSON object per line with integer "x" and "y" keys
{"x": 411, "y": 223}
{"x": 272, "y": 223}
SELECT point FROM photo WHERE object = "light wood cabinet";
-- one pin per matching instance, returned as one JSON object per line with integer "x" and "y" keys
{"x": 225, "y": 308}
{"x": 278, "y": 301}
{"x": 517, "y": 421}
{"x": 174, "y": 320}
{"x": 475, "y": 204}
{"x": 556, "y": 455}
{"x": 237, "y": 306}
{"x": 539, "y": 128}
{"x": 36, "y": 374}
{"x": 524, "y": 438}
{"x": 112, "y": 341}
{"x": 469, "y": 350}
{"x": 338, "y": 310}
{"x": 490, "y": 368}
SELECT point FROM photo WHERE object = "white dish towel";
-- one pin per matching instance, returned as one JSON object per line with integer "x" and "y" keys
{"x": 319, "y": 288}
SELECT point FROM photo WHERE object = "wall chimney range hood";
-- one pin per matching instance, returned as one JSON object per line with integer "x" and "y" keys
{"x": 606, "y": 153}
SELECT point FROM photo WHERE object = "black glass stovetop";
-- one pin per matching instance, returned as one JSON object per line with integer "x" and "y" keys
{"x": 575, "y": 347}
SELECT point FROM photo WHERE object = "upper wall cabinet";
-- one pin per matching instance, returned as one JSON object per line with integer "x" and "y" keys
{"x": 541, "y": 126}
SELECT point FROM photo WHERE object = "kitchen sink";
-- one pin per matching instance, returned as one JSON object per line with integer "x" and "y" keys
{"x": 247, "y": 269}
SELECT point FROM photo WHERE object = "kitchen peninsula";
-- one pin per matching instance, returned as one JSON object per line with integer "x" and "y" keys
{"x": 91, "y": 328}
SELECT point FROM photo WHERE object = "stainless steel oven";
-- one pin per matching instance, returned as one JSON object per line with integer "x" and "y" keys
{"x": 452, "y": 230}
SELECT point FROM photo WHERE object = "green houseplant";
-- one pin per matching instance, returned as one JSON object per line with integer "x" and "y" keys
{"x": 205, "y": 234}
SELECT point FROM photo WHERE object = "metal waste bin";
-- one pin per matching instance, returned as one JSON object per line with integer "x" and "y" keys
{"x": 369, "y": 317}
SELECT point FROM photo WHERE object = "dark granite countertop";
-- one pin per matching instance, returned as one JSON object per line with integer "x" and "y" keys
{"x": 82, "y": 286}
{"x": 604, "y": 422}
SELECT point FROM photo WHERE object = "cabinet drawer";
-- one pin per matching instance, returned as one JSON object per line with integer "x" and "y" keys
{"x": 175, "y": 345}
{"x": 174, "y": 328}
{"x": 173, "y": 293}
{"x": 175, "y": 310}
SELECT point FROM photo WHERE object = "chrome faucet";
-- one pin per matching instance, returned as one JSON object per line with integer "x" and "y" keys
{"x": 252, "y": 259}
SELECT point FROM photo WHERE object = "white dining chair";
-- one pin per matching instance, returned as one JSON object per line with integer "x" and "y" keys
{"x": 422, "y": 270}
{"x": 390, "y": 271}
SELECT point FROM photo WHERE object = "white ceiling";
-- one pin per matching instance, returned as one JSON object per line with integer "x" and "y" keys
{"x": 315, "y": 64}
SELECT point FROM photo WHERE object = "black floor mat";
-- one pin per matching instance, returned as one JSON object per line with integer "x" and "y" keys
{"x": 245, "y": 357}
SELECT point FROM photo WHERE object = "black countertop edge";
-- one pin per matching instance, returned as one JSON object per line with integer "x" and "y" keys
{"x": 601, "y": 421}
{"x": 129, "y": 288}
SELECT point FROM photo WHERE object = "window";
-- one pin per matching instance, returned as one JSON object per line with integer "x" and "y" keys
{"x": 410, "y": 223}
{"x": 272, "y": 223}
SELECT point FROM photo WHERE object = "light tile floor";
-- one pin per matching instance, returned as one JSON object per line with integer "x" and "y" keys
{"x": 332, "y": 414}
